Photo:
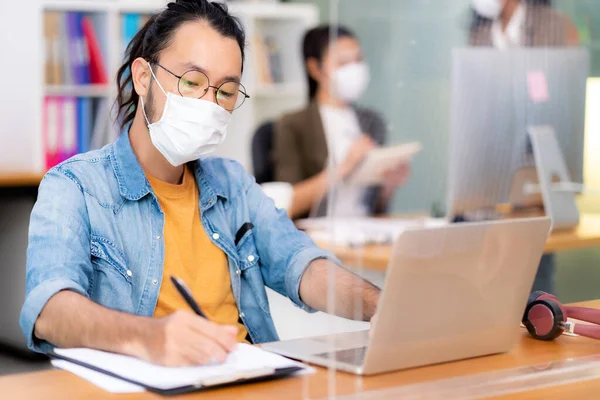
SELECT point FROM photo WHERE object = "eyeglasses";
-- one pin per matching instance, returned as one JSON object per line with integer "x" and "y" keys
{"x": 194, "y": 84}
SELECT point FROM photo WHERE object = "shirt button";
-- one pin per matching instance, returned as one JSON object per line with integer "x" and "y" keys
{"x": 242, "y": 315}
{"x": 238, "y": 272}
{"x": 216, "y": 236}
{"x": 158, "y": 237}
{"x": 250, "y": 258}
{"x": 155, "y": 281}
{"x": 129, "y": 273}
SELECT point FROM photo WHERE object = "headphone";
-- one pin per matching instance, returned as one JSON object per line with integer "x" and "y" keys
{"x": 546, "y": 318}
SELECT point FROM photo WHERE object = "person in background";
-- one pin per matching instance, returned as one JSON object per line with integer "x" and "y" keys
{"x": 514, "y": 23}
{"x": 332, "y": 129}
{"x": 111, "y": 226}
{"x": 506, "y": 24}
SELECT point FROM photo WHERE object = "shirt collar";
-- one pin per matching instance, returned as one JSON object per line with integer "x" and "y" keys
{"x": 210, "y": 185}
{"x": 133, "y": 184}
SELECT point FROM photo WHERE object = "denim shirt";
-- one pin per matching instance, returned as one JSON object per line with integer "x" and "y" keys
{"x": 96, "y": 229}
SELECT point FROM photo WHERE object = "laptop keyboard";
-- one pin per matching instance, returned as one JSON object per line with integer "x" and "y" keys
{"x": 349, "y": 356}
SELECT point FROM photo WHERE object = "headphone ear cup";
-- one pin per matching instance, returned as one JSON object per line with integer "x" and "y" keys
{"x": 543, "y": 319}
{"x": 532, "y": 297}
{"x": 535, "y": 295}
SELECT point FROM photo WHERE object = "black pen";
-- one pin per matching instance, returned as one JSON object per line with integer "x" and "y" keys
{"x": 185, "y": 292}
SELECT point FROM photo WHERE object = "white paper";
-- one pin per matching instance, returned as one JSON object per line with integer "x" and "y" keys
{"x": 244, "y": 360}
{"x": 362, "y": 231}
{"x": 103, "y": 381}
{"x": 380, "y": 160}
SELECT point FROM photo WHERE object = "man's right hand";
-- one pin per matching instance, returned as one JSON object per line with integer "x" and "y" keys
{"x": 184, "y": 339}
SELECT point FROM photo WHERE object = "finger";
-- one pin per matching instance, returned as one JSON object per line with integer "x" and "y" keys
{"x": 200, "y": 349}
{"x": 212, "y": 350}
{"x": 194, "y": 356}
{"x": 225, "y": 336}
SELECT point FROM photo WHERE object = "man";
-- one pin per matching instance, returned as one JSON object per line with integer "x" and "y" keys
{"x": 111, "y": 227}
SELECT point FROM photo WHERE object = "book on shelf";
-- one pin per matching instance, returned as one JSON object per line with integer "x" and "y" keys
{"x": 73, "y": 54}
{"x": 268, "y": 59}
{"x": 131, "y": 23}
{"x": 74, "y": 125}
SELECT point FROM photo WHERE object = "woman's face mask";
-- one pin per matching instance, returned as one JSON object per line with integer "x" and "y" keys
{"x": 350, "y": 81}
{"x": 490, "y": 9}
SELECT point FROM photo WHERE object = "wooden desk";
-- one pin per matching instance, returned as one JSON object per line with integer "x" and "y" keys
{"x": 57, "y": 384}
{"x": 586, "y": 235}
{"x": 8, "y": 179}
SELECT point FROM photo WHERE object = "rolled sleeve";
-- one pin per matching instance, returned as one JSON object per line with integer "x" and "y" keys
{"x": 296, "y": 268}
{"x": 35, "y": 302}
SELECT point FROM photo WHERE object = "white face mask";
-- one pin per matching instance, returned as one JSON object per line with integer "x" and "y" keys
{"x": 188, "y": 128}
{"x": 488, "y": 8}
{"x": 350, "y": 81}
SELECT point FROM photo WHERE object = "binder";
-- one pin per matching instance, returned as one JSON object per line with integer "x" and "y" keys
{"x": 53, "y": 51}
{"x": 101, "y": 124}
{"x": 74, "y": 40}
{"x": 130, "y": 24}
{"x": 109, "y": 364}
{"x": 84, "y": 124}
{"x": 65, "y": 50}
{"x": 52, "y": 124}
{"x": 97, "y": 65}
{"x": 82, "y": 50}
{"x": 68, "y": 134}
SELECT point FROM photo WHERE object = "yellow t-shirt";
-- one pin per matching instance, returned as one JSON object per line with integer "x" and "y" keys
{"x": 192, "y": 256}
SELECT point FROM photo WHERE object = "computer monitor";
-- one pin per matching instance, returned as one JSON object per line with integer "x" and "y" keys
{"x": 496, "y": 95}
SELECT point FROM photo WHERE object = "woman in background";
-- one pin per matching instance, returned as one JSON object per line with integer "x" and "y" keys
{"x": 332, "y": 129}
{"x": 506, "y": 24}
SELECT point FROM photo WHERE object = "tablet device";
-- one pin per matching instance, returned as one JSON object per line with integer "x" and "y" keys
{"x": 381, "y": 159}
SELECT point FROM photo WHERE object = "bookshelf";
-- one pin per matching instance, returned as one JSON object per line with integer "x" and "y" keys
{"x": 23, "y": 74}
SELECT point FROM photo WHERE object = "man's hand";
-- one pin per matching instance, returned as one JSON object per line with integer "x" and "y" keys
{"x": 373, "y": 321}
{"x": 358, "y": 150}
{"x": 183, "y": 338}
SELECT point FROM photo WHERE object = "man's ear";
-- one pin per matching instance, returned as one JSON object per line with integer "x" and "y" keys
{"x": 141, "y": 76}
{"x": 314, "y": 68}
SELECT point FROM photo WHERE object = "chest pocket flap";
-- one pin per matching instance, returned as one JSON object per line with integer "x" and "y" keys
{"x": 107, "y": 254}
{"x": 247, "y": 252}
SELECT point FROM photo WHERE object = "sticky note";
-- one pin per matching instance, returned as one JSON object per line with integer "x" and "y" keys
{"x": 537, "y": 85}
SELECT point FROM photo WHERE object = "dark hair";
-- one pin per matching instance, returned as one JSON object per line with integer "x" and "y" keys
{"x": 478, "y": 20}
{"x": 315, "y": 44}
{"x": 156, "y": 35}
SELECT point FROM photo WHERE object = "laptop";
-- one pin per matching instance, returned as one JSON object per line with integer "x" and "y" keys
{"x": 450, "y": 293}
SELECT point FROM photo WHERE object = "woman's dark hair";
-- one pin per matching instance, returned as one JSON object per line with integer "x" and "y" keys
{"x": 477, "y": 20}
{"x": 156, "y": 35}
{"x": 315, "y": 44}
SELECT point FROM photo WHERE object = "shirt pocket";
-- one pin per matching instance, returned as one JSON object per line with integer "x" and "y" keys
{"x": 108, "y": 259}
{"x": 250, "y": 273}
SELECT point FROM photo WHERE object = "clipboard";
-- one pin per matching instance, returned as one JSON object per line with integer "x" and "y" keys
{"x": 370, "y": 170}
{"x": 245, "y": 377}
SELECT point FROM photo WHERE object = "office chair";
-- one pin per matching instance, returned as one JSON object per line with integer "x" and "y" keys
{"x": 262, "y": 146}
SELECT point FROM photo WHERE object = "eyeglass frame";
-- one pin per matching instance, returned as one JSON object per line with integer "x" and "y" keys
{"x": 246, "y": 96}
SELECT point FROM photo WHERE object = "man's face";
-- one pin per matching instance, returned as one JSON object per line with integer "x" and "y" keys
{"x": 194, "y": 46}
